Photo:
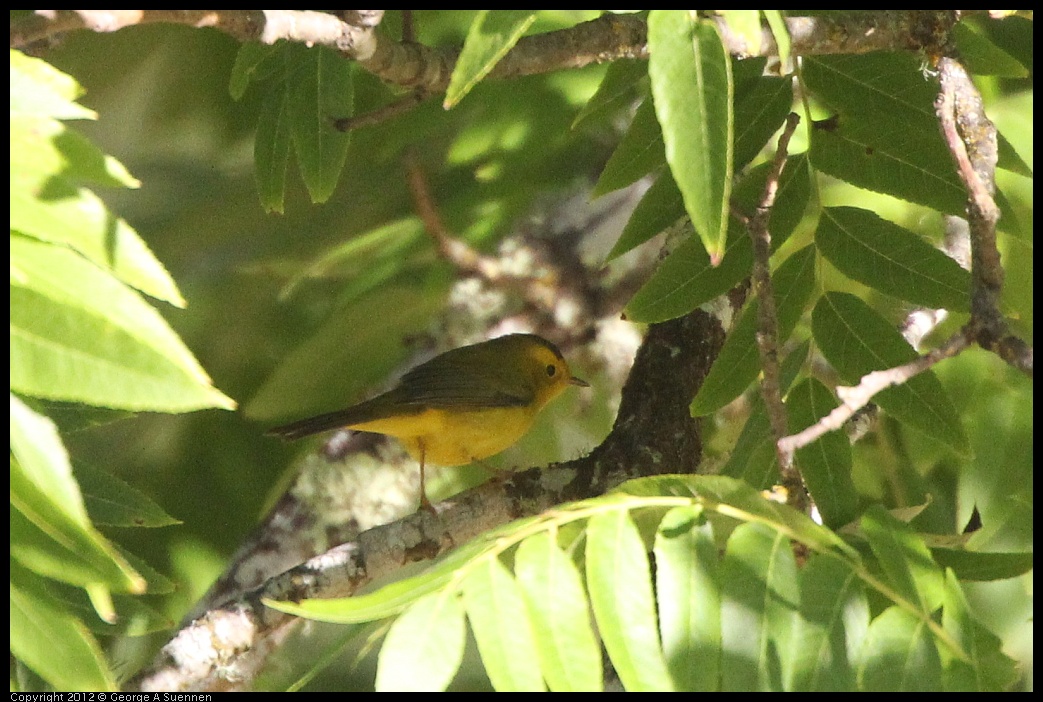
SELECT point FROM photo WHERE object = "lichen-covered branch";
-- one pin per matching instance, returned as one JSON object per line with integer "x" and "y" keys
{"x": 416, "y": 66}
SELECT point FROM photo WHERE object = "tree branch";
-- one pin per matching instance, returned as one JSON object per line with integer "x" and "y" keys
{"x": 407, "y": 64}
{"x": 972, "y": 141}
{"x": 855, "y": 398}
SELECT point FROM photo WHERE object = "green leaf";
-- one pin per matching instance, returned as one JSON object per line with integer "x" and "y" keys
{"x": 502, "y": 629}
{"x": 49, "y": 161}
{"x": 617, "y": 91}
{"x": 825, "y": 464}
{"x": 38, "y": 449}
{"x": 885, "y": 137}
{"x": 48, "y": 165}
{"x": 660, "y": 207}
{"x": 50, "y": 531}
{"x": 739, "y": 360}
{"x": 638, "y": 153}
{"x": 881, "y": 154}
{"x": 989, "y": 669}
{"x": 492, "y": 34}
{"x": 688, "y": 595}
{"x": 828, "y": 633}
{"x": 570, "y": 654}
{"x": 38, "y": 89}
{"x": 738, "y": 500}
{"x": 112, "y": 502}
{"x": 746, "y": 24}
{"x": 983, "y": 566}
{"x": 324, "y": 91}
{"x": 46, "y": 541}
{"x": 874, "y": 83}
{"x": 686, "y": 279}
{"x": 761, "y": 106}
{"x": 251, "y": 64}
{"x": 759, "y": 597}
{"x": 691, "y": 83}
{"x": 904, "y": 559}
{"x": 891, "y": 259}
{"x": 777, "y": 23}
{"x": 272, "y": 147}
{"x": 982, "y": 56}
{"x": 856, "y": 340}
{"x": 753, "y": 458}
{"x": 54, "y": 644}
{"x": 424, "y": 646}
{"x": 899, "y": 655}
{"x": 620, "y": 584}
{"x": 78, "y": 334}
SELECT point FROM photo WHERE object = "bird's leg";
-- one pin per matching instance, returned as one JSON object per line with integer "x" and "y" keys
{"x": 424, "y": 502}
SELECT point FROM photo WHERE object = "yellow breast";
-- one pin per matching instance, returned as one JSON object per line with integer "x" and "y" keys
{"x": 456, "y": 437}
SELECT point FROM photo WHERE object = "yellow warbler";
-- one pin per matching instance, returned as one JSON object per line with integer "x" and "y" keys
{"x": 462, "y": 406}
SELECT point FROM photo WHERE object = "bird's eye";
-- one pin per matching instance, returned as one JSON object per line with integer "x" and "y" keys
{"x": 551, "y": 370}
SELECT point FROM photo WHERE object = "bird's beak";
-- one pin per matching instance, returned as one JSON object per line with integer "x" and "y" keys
{"x": 579, "y": 382}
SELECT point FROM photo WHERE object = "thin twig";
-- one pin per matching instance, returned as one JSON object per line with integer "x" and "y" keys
{"x": 855, "y": 398}
{"x": 767, "y": 319}
{"x": 382, "y": 114}
{"x": 543, "y": 292}
{"x": 408, "y": 29}
{"x": 457, "y": 252}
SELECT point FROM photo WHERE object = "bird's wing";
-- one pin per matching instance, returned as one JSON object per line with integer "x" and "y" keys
{"x": 448, "y": 382}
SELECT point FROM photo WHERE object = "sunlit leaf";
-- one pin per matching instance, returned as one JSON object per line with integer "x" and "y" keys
{"x": 78, "y": 334}
{"x": 501, "y": 626}
{"x": 492, "y": 34}
{"x": 620, "y": 582}
{"x": 828, "y": 633}
{"x": 688, "y": 595}
{"x": 428, "y": 642}
{"x": 899, "y": 655}
{"x": 759, "y": 597}
{"x": 988, "y": 669}
{"x": 54, "y": 644}
{"x": 569, "y": 652}
{"x": 691, "y": 82}
{"x": 904, "y": 558}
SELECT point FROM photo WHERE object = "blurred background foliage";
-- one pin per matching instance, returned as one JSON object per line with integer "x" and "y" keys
{"x": 162, "y": 93}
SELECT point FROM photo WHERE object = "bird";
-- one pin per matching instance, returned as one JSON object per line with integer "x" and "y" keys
{"x": 462, "y": 406}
